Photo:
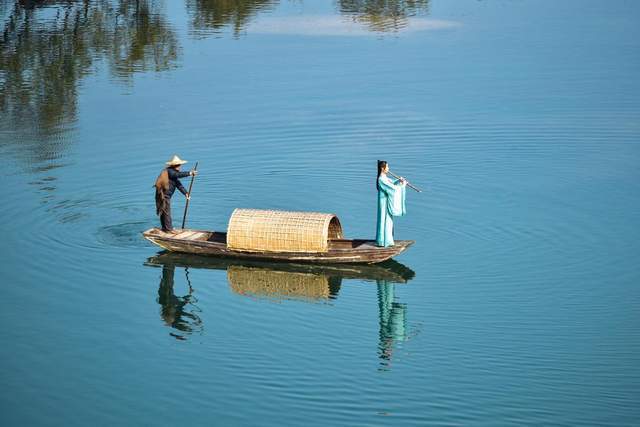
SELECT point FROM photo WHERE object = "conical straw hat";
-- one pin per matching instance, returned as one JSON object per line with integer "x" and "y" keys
{"x": 175, "y": 160}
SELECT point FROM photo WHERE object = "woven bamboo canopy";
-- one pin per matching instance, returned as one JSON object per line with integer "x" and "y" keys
{"x": 281, "y": 231}
{"x": 276, "y": 285}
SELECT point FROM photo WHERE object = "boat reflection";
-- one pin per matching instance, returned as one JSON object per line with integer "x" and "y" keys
{"x": 285, "y": 281}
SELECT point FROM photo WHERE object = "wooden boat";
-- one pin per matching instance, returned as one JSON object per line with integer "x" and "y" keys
{"x": 308, "y": 237}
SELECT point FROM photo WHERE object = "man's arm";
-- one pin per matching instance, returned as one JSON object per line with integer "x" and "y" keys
{"x": 174, "y": 174}
{"x": 180, "y": 187}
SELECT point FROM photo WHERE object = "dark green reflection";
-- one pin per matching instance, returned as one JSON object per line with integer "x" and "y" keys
{"x": 393, "y": 322}
{"x": 211, "y": 16}
{"x": 47, "y": 47}
{"x": 383, "y": 15}
{"x": 177, "y": 312}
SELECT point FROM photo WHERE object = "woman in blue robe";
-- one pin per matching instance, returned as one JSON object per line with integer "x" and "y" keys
{"x": 391, "y": 203}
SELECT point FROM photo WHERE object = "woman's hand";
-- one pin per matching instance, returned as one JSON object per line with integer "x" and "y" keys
{"x": 193, "y": 172}
{"x": 188, "y": 196}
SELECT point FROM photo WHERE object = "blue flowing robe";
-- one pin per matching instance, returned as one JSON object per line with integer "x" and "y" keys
{"x": 391, "y": 202}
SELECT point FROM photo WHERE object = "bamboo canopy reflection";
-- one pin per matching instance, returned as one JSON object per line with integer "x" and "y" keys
{"x": 274, "y": 284}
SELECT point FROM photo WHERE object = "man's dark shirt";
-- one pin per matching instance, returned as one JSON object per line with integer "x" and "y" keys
{"x": 175, "y": 182}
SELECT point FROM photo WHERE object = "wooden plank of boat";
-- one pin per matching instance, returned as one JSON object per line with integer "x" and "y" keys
{"x": 185, "y": 234}
{"x": 215, "y": 244}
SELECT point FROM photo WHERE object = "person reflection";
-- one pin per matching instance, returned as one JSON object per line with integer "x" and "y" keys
{"x": 393, "y": 322}
{"x": 177, "y": 312}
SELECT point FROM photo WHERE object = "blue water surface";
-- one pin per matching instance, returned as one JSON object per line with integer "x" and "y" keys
{"x": 518, "y": 304}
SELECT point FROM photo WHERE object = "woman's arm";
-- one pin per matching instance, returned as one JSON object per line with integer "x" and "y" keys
{"x": 387, "y": 186}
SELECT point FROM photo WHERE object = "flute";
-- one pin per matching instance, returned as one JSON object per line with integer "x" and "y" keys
{"x": 409, "y": 185}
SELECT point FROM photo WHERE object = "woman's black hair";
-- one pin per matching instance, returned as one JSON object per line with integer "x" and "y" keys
{"x": 381, "y": 166}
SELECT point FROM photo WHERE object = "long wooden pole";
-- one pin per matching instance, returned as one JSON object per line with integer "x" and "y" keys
{"x": 186, "y": 205}
{"x": 396, "y": 176}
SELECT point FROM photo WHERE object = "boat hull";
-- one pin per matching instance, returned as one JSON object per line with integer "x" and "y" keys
{"x": 214, "y": 244}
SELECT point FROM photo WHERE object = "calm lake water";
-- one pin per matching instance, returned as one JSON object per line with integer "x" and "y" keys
{"x": 518, "y": 304}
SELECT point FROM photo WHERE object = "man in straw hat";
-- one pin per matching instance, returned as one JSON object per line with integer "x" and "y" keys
{"x": 166, "y": 184}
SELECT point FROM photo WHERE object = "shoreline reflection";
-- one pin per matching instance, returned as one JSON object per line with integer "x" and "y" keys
{"x": 48, "y": 48}
{"x": 213, "y": 16}
{"x": 383, "y": 15}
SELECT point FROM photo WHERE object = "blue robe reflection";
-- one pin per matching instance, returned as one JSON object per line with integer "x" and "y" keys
{"x": 391, "y": 202}
{"x": 393, "y": 322}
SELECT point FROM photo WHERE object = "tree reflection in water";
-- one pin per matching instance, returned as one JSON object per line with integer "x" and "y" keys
{"x": 211, "y": 16}
{"x": 47, "y": 47}
{"x": 383, "y": 15}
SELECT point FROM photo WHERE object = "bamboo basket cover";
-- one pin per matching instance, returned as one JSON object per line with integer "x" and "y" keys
{"x": 277, "y": 285}
{"x": 281, "y": 231}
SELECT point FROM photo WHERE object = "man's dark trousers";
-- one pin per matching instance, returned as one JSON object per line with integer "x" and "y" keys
{"x": 165, "y": 216}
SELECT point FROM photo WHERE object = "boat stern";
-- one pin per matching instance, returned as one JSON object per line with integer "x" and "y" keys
{"x": 152, "y": 235}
